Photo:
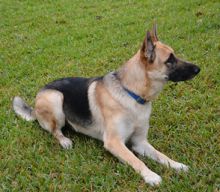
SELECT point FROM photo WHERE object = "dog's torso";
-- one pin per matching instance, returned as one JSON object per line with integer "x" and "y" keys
{"x": 83, "y": 110}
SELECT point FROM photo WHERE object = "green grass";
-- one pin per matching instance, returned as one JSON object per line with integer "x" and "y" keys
{"x": 45, "y": 40}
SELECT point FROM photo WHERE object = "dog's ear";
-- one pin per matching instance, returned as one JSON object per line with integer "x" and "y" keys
{"x": 148, "y": 48}
{"x": 154, "y": 33}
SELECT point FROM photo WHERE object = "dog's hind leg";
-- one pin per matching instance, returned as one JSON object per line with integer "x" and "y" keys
{"x": 49, "y": 113}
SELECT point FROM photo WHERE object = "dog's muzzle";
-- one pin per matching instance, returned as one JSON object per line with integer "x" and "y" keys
{"x": 184, "y": 71}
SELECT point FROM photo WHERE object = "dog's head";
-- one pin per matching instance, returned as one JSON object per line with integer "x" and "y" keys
{"x": 161, "y": 63}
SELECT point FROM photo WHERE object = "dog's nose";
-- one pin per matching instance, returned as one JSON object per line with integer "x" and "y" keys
{"x": 196, "y": 70}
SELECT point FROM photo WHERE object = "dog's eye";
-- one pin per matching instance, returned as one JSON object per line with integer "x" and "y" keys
{"x": 171, "y": 60}
{"x": 169, "y": 64}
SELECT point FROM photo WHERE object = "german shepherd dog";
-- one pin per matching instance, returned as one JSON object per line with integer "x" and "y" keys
{"x": 114, "y": 108}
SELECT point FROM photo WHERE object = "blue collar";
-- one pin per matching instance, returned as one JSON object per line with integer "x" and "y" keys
{"x": 136, "y": 97}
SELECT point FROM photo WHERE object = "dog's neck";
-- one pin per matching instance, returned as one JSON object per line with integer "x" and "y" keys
{"x": 134, "y": 77}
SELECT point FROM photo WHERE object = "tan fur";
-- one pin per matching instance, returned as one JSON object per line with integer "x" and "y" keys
{"x": 112, "y": 111}
{"x": 107, "y": 103}
{"x": 140, "y": 84}
{"x": 114, "y": 141}
{"x": 49, "y": 113}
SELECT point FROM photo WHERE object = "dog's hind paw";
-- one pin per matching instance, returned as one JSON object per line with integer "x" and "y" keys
{"x": 153, "y": 179}
{"x": 66, "y": 143}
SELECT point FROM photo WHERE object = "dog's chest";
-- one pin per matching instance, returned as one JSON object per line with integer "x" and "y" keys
{"x": 142, "y": 113}
{"x": 136, "y": 119}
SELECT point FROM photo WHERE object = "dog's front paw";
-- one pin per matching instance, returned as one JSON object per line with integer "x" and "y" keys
{"x": 181, "y": 167}
{"x": 66, "y": 143}
{"x": 153, "y": 179}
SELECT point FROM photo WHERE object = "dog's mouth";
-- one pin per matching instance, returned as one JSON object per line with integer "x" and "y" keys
{"x": 183, "y": 72}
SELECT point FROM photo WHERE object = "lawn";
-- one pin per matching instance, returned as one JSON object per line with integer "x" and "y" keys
{"x": 44, "y": 40}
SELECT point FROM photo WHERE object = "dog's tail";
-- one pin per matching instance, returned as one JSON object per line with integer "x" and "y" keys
{"x": 23, "y": 110}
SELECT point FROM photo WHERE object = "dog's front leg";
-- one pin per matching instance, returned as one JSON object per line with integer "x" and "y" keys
{"x": 146, "y": 149}
{"x": 114, "y": 145}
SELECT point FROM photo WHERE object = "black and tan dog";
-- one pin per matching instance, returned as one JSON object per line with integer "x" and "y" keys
{"x": 114, "y": 108}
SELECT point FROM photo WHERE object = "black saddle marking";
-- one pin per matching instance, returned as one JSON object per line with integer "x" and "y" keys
{"x": 76, "y": 104}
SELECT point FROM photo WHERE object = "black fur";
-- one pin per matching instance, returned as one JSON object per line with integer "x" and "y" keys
{"x": 76, "y": 103}
{"x": 181, "y": 70}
